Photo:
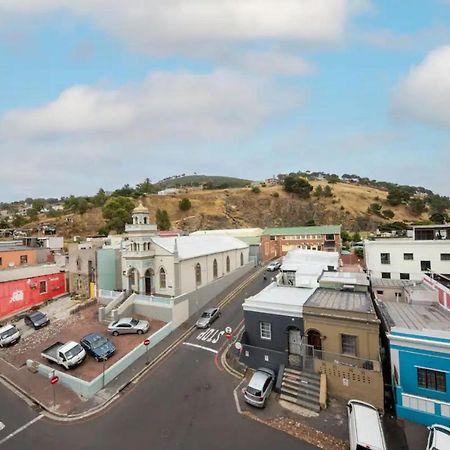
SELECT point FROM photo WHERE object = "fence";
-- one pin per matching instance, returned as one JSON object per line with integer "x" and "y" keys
{"x": 88, "y": 389}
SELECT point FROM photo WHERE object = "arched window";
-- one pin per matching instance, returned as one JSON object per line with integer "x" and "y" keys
{"x": 228, "y": 263}
{"x": 162, "y": 278}
{"x": 145, "y": 246}
{"x": 198, "y": 274}
{"x": 242, "y": 259}
{"x": 215, "y": 268}
{"x": 145, "y": 220}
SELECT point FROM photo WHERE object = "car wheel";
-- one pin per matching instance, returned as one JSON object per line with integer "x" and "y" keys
{"x": 139, "y": 331}
{"x": 115, "y": 333}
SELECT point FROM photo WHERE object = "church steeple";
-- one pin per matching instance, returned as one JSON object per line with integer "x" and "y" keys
{"x": 141, "y": 215}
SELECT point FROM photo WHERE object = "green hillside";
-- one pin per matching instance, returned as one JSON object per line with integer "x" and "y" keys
{"x": 198, "y": 180}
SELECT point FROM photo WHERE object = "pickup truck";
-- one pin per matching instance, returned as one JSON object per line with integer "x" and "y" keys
{"x": 67, "y": 355}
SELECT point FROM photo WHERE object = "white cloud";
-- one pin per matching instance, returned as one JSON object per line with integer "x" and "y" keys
{"x": 387, "y": 39}
{"x": 274, "y": 63}
{"x": 155, "y": 26}
{"x": 424, "y": 94}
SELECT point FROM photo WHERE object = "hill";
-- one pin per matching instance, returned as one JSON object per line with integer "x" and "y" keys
{"x": 241, "y": 207}
{"x": 199, "y": 180}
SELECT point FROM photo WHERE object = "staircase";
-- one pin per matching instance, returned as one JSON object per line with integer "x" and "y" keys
{"x": 301, "y": 388}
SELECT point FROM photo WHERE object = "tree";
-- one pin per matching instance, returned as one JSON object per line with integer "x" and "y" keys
{"x": 345, "y": 236}
{"x": 18, "y": 221}
{"x": 398, "y": 195}
{"x": 117, "y": 213}
{"x": 327, "y": 191}
{"x": 32, "y": 214}
{"x": 310, "y": 223}
{"x": 356, "y": 237}
{"x": 374, "y": 208}
{"x": 318, "y": 192}
{"x": 82, "y": 206}
{"x": 300, "y": 186}
{"x": 162, "y": 220}
{"x": 388, "y": 213}
{"x": 417, "y": 206}
{"x": 438, "y": 217}
{"x": 256, "y": 190}
{"x": 38, "y": 204}
{"x": 99, "y": 199}
{"x": 125, "y": 191}
{"x": 146, "y": 187}
{"x": 333, "y": 178}
{"x": 184, "y": 204}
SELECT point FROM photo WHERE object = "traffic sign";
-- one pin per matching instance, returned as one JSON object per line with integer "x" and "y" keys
{"x": 54, "y": 379}
{"x": 228, "y": 335}
{"x": 228, "y": 330}
{"x": 147, "y": 342}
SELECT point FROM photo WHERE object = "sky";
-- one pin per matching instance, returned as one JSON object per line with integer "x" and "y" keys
{"x": 95, "y": 93}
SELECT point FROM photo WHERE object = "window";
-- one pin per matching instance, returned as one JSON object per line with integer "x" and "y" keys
{"x": 385, "y": 275}
{"x": 385, "y": 258}
{"x": 79, "y": 264}
{"x": 228, "y": 263}
{"x": 431, "y": 379}
{"x": 1, "y": 261}
{"x": 23, "y": 259}
{"x": 329, "y": 237}
{"x": 348, "y": 344}
{"x": 162, "y": 278}
{"x": 42, "y": 287}
{"x": 198, "y": 274}
{"x": 380, "y": 292}
{"x": 408, "y": 256}
{"x": 265, "y": 330}
{"x": 445, "y": 256}
{"x": 242, "y": 259}
{"x": 215, "y": 268}
{"x": 404, "y": 276}
{"x": 425, "y": 266}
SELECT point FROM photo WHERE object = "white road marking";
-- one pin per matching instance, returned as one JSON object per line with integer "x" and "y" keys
{"x": 236, "y": 398}
{"x": 209, "y": 334}
{"x": 22, "y": 428}
{"x": 200, "y": 346}
{"x": 2, "y": 426}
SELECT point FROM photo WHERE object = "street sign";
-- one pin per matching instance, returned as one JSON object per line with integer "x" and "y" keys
{"x": 54, "y": 379}
{"x": 228, "y": 335}
{"x": 228, "y": 330}
{"x": 147, "y": 342}
{"x": 238, "y": 345}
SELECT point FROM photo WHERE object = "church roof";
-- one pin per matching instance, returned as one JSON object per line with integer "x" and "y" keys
{"x": 193, "y": 246}
{"x": 140, "y": 209}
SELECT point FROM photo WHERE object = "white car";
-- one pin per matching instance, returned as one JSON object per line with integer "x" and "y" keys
{"x": 9, "y": 335}
{"x": 273, "y": 266}
{"x": 438, "y": 438}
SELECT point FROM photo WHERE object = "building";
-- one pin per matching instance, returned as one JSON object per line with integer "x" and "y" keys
{"x": 15, "y": 254}
{"x": 417, "y": 341}
{"x": 170, "y": 266}
{"x": 342, "y": 338}
{"x": 427, "y": 251}
{"x": 274, "y": 317}
{"x": 276, "y": 242}
{"x": 168, "y": 191}
{"x": 22, "y": 288}
{"x": 250, "y": 236}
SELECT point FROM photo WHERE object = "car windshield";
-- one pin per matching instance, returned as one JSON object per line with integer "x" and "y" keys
{"x": 134, "y": 322}
{"x": 206, "y": 314}
{"x": 74, "y": 351}
{"x": 9, "y": 332}
{"x": 37, "y": 316}
{"x": 98, "y": 341}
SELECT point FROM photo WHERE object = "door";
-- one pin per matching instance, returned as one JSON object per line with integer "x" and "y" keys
{"x": 314, "y": 339}
{"x": 295, "y": 341}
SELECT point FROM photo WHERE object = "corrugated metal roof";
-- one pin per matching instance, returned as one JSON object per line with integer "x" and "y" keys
{"x": 341, "y": 300}
{"x": 20, "y": 273}
{"x": 289, "y": 231}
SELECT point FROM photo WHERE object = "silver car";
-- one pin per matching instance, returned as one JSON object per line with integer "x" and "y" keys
{"x": 260, "y": 387}
{"x": 208, "y": 317}
{"x": 128, "y": 325}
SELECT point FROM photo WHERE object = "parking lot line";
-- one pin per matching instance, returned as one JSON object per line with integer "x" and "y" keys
{"x": 22, "y": 428}
{"x": 200, "y": 346}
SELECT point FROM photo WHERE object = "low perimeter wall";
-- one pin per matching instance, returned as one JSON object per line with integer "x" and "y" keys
{"x": 87, "y": 389}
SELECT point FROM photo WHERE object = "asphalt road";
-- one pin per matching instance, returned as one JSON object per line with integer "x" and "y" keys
{"x": 186, "y": 402}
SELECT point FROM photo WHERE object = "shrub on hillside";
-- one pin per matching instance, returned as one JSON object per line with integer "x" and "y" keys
{"x": 184, "y": 204}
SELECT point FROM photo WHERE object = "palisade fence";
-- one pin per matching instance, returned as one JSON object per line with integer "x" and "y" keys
{"x": 88, "y": 389}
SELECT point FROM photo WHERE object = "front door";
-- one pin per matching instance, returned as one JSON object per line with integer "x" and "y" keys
{"x": 295, "y": 340}
{"x": 314, "y": 339}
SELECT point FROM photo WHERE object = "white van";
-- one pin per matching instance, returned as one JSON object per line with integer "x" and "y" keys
{"x": 439, "y": 438}
{"x": 364, "y": 425}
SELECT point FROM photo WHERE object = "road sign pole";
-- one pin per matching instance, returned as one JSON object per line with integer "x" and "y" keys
{"x": 54, "y": 395}
{"x": 147, "y": 348}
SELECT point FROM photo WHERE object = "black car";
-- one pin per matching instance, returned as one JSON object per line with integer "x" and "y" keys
{"x": 98, "y": 346}
{"x": 36, "y": 319}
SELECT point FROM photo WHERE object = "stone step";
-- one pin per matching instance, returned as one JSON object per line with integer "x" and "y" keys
{"x": 288, "y": 398}
{"x": 313, "y": 381}
{"x": 299, "y": 390}
{"x": 313, "y": 406}
{"x": 292, "y": 371}
{"x": 306, "y": 384}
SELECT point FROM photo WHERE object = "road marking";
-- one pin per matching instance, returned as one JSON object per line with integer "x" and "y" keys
{"x": 22, "y": 428}
{"x": 200, "y": 346}
{"x": 209, "y": 334}
{"x": 236, "y": 398}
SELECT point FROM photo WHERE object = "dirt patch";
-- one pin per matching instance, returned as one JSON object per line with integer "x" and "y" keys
{"x": 74, "y": 328}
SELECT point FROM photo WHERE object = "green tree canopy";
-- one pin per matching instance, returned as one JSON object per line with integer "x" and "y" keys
{"x": 117, "y": 213}
{"x": 184, "y": 204}
{"x": 162, "y": 220}
{"x": 398, "y": 195}
{"x": 294, "y": 183}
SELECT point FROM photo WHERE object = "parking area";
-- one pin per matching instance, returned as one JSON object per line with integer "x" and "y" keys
{"x": 73, "y": 328}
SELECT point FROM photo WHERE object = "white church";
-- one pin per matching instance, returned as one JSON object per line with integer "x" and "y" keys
{"x": 171, "y": 266}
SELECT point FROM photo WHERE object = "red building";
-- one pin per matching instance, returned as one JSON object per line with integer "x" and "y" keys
{"x": 276, "y": 242}
{"x": 22, "y": 288}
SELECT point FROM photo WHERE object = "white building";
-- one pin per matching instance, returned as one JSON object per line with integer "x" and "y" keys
{"x": 410, "y": 258}
{"x": 168, "y": 191}
{"x": 170, "y": 266}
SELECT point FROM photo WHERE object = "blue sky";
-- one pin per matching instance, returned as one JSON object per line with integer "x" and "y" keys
{"x": 98, "y": 94}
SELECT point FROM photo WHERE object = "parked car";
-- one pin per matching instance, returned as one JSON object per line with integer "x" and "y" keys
{"x": 68, "y": 355}
{"x": 438, "y": 438}
{"x": 364, "y": 426}
{"x": 128, "y": 325}
{"x": 273, "y": 266}
{"x": 98, "y": 346}
{"x": 9, "y": 335}
{"x": 208, "y": 317}
{"x": 36, "y": 319}
{"x": 259, "y": 388}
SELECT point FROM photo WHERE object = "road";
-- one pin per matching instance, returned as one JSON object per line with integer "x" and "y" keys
{"x": 185, "y": 402}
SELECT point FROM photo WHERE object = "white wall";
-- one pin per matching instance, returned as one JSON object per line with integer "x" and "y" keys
{"x": 422, "y": 251}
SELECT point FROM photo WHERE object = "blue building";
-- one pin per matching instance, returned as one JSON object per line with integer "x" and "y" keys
{"x": 418, "y": 334}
